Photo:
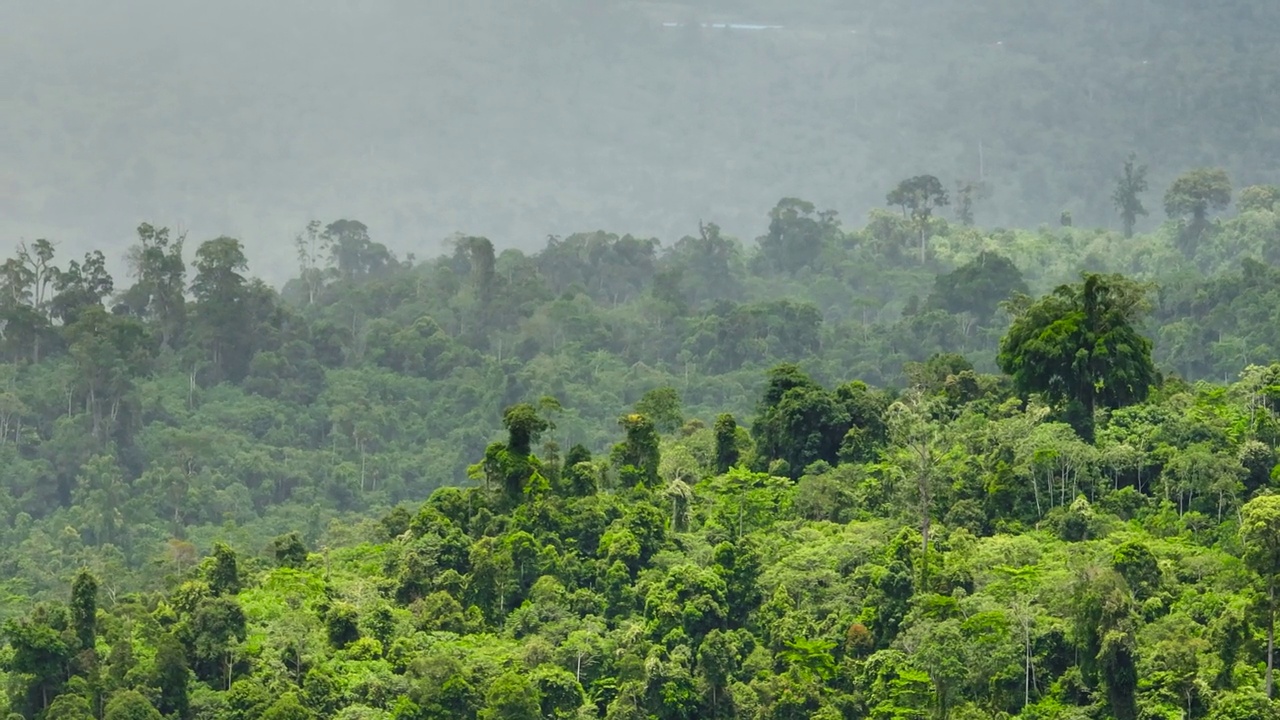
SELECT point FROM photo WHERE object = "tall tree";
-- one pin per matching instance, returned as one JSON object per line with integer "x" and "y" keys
{"x": 1260, "y": 535}
{"x": 1079, "y": 348}
{"x": 917, "y": 440}
{"x": 313, "y": 246}
{"x": 81, "y": 286}
{"x": 1192, "y": 197}
{"x": 84, "y": 608}
{"x": 1127, "y": 196}
{"x": 352, "y": 252}
{"x": 160, "y": 291}
{"x": 109, "y": 352}
{"x": 969, "y": 192}
{"x": 221, "y": 323}
{"x": 796, "y": 235}
{"x": 918, "y": 196}
{"x": 726, "y": 434}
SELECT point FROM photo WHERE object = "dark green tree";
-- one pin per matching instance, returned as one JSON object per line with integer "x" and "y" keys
{"x": 1078, "y": 347}
{"x": 221, "y": 324}
{"x": 1127, "y": 196}
{"x": 978, "y": 287}
{"x": 918, "y": 197}
{"x": 130, "y": 705}
{"x": 40, "y": 660}
{"x": 796, "y": 236}
{"x": 159, "y": 293}
{"x": 524, "y": 427}
{"x": 638, "y": 453}
{"x": 290, "y": 551}
{"x": 1192, "y": 197}
{"x": 224, "y": 570}
{"x": 511, "y": 697}
{"x": 663, "y": 406}
{"x": 171, "y": 677}
{"x": 726, "y": 433}
{"x": 84, "y": 608}
{"x": 342, "y": 625}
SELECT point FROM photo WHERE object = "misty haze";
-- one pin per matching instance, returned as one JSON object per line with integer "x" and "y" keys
{"x": 515, "y": 121}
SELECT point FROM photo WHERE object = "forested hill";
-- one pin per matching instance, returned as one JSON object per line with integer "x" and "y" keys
{"x": 221, "y": 493}
{"x": 429, "y": 117}
{"x": 188, "y": 401}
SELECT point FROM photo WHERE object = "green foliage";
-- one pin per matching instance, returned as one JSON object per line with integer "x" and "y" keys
{"x": 1192, "y": 197}
{"x": 1080, "y": 349}
{"x": 948, "y": 549}
{"x": 130, "y": 705}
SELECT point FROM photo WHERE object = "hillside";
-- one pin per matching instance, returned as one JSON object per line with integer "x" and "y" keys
{"x": 670, "y": 579}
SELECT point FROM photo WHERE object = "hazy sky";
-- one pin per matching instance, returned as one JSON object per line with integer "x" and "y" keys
{"x": 423, "y": 118}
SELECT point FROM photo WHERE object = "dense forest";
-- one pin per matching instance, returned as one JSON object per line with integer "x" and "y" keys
{"x": 912, "y": 469}
{"x": 422, "y": 117}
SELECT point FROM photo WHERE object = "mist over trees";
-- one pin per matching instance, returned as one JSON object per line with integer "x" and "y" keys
{"x": 428, "y": 118}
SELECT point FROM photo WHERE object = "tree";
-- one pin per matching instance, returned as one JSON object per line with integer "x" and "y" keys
{"x": 39, "y": 659}
{"x": 1192, "y": 197}
{"x": 341, "y": 625}
{"x": 796, "y": 236}
{"x": 918, "y": 196}
{"x": 978, "y": 287}
{"x": 312, "y": 245}
{"x": 917, "y": 443}
{"x": 798, "y": 421}
{"x": 289, "y": 550}
{"x": 224, "y": 572}
{"x": 84, "y": 608}
{"x": 1260, "y": 535}
{"x": 109, "y": 353}
{"x": 1078, "y": 347}
{"x": 726, "y": 435}
{"x": 638, "y": 453}
{"x": 662, "y": 405}
{"x": 287, "y": 707}
{"x": 1257, "y": 198}
{"x": 156, "y": 262}
{"x": 222, "y": 324}
{"x": 511, "y": 697}
{"x": 80, "y": 286}
{"x": 69, "y": 706}
{"x": 967, "y": 193}
{"x": 1127, "y": 195}
{"x": 171, "y": 676}
{"x": 351, "y": 251}
{"x": 130, "y": 705}
{"x": 524, "y": 426}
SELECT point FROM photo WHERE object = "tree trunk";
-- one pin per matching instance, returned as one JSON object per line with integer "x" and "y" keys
{"x": 1271, "y": 632}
